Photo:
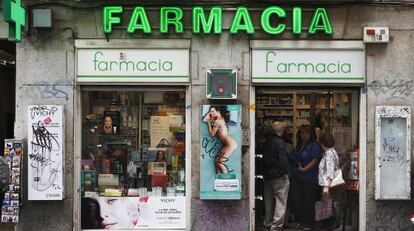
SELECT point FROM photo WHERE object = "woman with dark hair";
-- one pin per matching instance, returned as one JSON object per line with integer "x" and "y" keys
{"x": 306, "y": 190}
{"x": 160, "y": 157}
{"x": 91, "y": 214}
{"x": 320, "y": 124}
{"x": 108, "y": 125}
{"x": 218, "y": 118}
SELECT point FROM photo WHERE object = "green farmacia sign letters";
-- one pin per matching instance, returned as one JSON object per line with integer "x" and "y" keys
{"x": 207, "y": 23}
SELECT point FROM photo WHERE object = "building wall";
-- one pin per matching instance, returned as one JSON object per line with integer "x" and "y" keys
{"x": 390, "y": 82}
{"x": 45, "y": 75}
{"x": 3, "y": 27}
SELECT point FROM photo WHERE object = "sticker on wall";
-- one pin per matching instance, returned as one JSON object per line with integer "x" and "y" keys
{"x": 45, "y": 152}
{"x": 220, "y": 152}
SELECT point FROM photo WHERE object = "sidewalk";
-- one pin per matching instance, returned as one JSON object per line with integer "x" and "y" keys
{"x": 6, "y": 227}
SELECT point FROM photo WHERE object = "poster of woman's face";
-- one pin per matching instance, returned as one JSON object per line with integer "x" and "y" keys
{"x": 132, "y": 213}
{"x": 110, "y": 213}
{"x": 117, "y": 214}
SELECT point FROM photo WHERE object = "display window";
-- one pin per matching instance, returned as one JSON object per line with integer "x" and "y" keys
{"x": 133, "y": 159}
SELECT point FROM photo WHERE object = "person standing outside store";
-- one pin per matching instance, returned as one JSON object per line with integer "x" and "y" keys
{"x": 327, "y": 168}
{"x": 306, "y": 190}
{"x": 276, "y": 180}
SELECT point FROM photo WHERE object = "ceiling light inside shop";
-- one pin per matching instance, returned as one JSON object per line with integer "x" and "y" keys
{"x": 6, "y": 58}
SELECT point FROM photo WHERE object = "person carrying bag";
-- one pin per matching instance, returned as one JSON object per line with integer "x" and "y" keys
{"x": 329, "y": 178}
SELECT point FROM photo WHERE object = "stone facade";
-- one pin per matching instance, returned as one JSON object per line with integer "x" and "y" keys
{"x": 45, "y": 74}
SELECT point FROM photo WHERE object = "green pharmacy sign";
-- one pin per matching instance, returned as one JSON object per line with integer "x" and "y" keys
{"x": 133, "y": 65}
{"x": 15, "y": 15}
{"x": 206, "y": 23}
{"x": 311, "y": 64}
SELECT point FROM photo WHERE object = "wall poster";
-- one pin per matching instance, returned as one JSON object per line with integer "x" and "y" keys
{"x": 145, "y": 212}
{"x": 220, "y": 152}
{"x": 45, "y": 152}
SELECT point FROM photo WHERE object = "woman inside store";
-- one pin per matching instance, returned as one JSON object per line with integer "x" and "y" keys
{"x": 160, "y": 156}
{"x": 327, "y": 168}
{"x": 108, "y": 128}
{"x": 320, "y": 124}
{"x": 305, "y": 188}
{"x": 218, "y": 118}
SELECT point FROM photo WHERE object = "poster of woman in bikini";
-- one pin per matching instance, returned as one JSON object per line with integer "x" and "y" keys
{"x": 220, "y": 135}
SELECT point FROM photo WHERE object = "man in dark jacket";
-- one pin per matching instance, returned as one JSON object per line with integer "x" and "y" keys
{"x": 276, "y": 180}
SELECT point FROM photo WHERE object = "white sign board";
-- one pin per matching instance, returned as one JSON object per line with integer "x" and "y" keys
{"x": 147, "y": 212}
{"x": 45, "y": 152}
{"x": 226, "y": 185}
{"x": 392, "y": 153}
{"x": 160, "y": 129}
{"x": 308, "y": 66}
{"x": 132, "y": 65}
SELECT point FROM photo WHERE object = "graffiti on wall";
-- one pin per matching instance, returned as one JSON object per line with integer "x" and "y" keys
{"x": 392, "y": 88}
{"x": 49, "y": 90}
{"x": 220, "y": 215}
{"x": 389, "y": 217}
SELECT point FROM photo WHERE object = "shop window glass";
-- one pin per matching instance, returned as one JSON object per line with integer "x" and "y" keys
{"x": 133, "y": 145}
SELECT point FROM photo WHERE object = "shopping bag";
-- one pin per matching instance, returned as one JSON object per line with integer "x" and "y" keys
{"x": 323, "y": 210}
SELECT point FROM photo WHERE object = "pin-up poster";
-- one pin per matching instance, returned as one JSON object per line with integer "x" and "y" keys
{"x": 220, "y": 152}
{"x": 45, "y": 152}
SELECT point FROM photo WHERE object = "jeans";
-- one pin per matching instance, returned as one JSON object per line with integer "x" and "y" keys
{"x": 275, "y": 200}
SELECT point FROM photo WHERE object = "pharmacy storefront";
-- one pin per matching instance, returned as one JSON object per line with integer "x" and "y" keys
{"x": 132, "y": 136}
{"x": 315, "y": 85}
{"x": 163, "y": 110}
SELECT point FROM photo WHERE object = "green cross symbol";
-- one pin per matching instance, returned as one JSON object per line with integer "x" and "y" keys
{"x": 15, "y": 15}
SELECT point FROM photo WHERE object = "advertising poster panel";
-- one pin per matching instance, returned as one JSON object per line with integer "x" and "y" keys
{"x": 146, "y": 212}
{"x": 45, "y": 152}
{"x": 220, "y": 152}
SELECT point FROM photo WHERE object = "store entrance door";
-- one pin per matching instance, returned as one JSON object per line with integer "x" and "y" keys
{"x": 334, "y": 111}
{"x": 7, "y": 90}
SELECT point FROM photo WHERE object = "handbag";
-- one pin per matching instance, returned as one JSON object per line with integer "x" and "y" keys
{"x": 163, "y": 143}
{"x": 323, "y": 209}
{"x": 338, "y": 180}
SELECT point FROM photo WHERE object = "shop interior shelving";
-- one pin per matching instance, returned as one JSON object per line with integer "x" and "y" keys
{"x": 295, "y": 109}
